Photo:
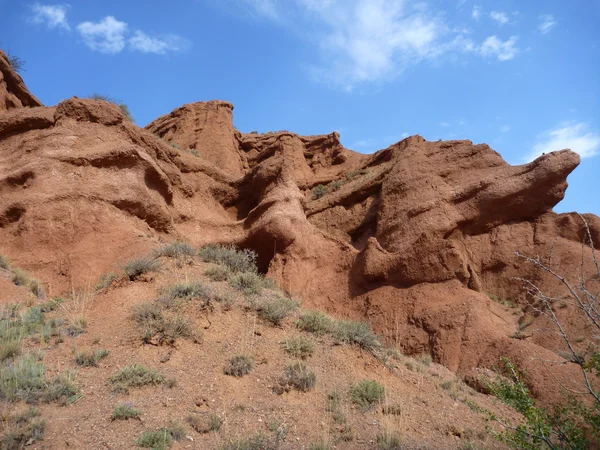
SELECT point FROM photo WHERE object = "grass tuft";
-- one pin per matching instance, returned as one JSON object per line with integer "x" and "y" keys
{"x": 299, "y": 377}
{"x": 125, "y": 411}
{"x": 315, "y": 322}
{"x": 275, "y": 309}
{"x": 136, "y": 267}
{"x": 21, "y": 430}
{"x": 236, "y": 260}
{"x": 205, "y": 423}
{"x": 135, "y": 376}
{"x": 388, "y": 441}
{"x": 90, "y": 358}
{"x": 367, "y": 393}
{"x": 357, "y": 333}
{"x": 218, "y": 273}
{"x": 176, "y": 249}
{"x": 238, "y": 366}
{"x": 298, "y": 347}
{"x": 247, "y": 282}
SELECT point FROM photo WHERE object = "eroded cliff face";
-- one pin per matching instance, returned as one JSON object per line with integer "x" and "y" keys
{"x": 414, "y": 238}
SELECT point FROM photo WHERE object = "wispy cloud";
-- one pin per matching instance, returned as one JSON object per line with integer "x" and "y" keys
{"x": 575, "y": 136}
{"x": 476, "y": 13}
{"x": 106, "y": 36}
{"x": 547, "y": 22}
{"x": 54, "y": 16}
{"x": 146, "y": 44}
{"x": 494, "y": 47}
{"x": 499, "y": 17}
{"x": 373, "y": 41}
{"x": 444, "y": 124}
{"x": 505, "y": 128}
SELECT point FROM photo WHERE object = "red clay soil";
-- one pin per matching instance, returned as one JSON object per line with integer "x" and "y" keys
{"x": 417, "y": 239}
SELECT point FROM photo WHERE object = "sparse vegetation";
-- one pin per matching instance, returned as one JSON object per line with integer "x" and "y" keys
{"x": 124, "y": 108}
{"x": 136, "y": 267}
{"x": 205, "y": 423}
{"x": 163, "y": 438}
{"x": 124, "y": 412}
{"x": 319, "y": 191}
{"x": 257, "y": 442}
{"x": 238, "y": 366}
{"x": 90, "y": 358}
{"x": 4, "y": 264}
{"x": 22, "y": 278}
{"x": 18, "y": 64}
{"x": 186, "y": 291}
{"x": 236, "y": 260}
{"x": 357, "y": 333}
{"x": 21, "y": 429}
{"x": 388, "y": 441}
{"x": 315, "y": 322}
{"x": 158, "y": 329}
{"x": 176, "y": 249}
{"x": 218, "y": 273}
{"x": 355, "y": 173}
{"x": 367, "y": 393}
{"x": 135, "y": 376}
{"x": 275, "y": 308}
{"x": 105, "y": 281}
{"x": 247, "y": 282}
{"x": 299, "y": 377}
{"x": 298, "y": 347}
{"x": 322, "y": 445}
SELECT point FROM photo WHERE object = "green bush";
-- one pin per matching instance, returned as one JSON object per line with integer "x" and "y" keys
{"x": 218, "y": 273}
{"x": 315, "y": 322}
{"x": 61, "y": 389}
{"x": 238, "y": 366}
{"x": 367, "y": 393}
{"x": 23, "y": 379}
{"x": 298, "y": 347}
{"x": 90, "y": 358}
{"x": 176, "y": 249}
{"x": 357, "y": 333}
{"x": 247, "y": 282}
{"x": 186, "y": 291}
{"x": 299, "y": 377}
{"x": 275, "y": 309}
{"x": 158, "y": 329}
{"x": 135, "y": 376}
{"x": 124, "y": 412}
{"x": 136, "y": 267}
{"x": 236, "y": 260}
{"x": 319, "y": 191}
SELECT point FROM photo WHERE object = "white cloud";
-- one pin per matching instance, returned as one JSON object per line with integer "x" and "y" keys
{"x": 499, "y": 17}
{"x": 547, "y": 23}
{"x": 143, "y": 43}
{"x": 106, "y": 36}
{"x": 505, "y": 128}
{"x": 444, "y": 124}
{"x": 574, "y": 136}
{"x": 266, "y": 8}
{"x": 476, "y": 13}
{"x": 493, "y": 46}
{"x": 404, "y": 135}
{"x": 54, "y": 16}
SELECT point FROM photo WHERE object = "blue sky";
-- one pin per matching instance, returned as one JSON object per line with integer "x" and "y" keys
{"x": 522, "y": 76}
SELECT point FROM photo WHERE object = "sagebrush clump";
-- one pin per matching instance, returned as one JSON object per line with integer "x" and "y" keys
{"x": 235, "y": 259}
{"x": 367, "y": 393}
{"x": 238, "y": 366}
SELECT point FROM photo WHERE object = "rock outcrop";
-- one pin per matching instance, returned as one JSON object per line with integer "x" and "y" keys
{"x": 13, "y": 92}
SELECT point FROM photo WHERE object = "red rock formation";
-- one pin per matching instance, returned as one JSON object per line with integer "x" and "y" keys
{"x": 414, "y": 238}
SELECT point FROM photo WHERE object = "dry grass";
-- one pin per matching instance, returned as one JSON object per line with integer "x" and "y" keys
{"x": 238, "y": 366}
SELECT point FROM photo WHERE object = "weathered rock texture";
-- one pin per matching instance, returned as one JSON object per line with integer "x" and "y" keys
{"x": 13, "y": 92}
{"x": 415, "y": 238}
